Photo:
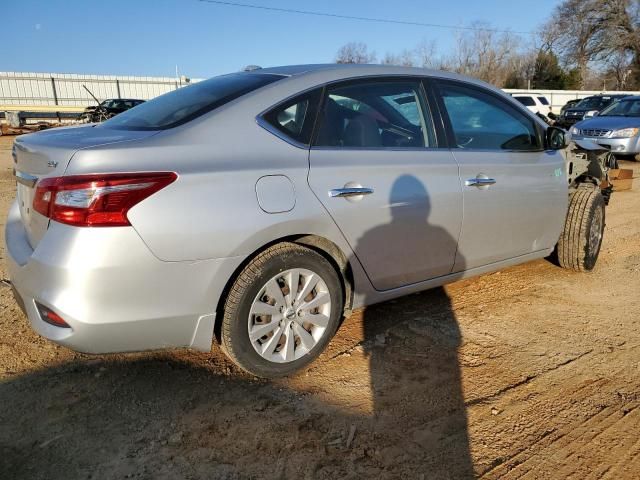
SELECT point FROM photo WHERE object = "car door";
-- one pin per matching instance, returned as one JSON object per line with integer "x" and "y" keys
{"x": 376, "y": 166}
{"x": 514, "y": 192}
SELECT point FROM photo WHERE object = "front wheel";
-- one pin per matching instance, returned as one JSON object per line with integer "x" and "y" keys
{"x": 281, "y": 311}
{"x": 581, "y": 239}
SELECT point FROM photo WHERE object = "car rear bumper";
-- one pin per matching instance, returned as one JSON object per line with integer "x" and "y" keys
{"x": 622, "y": 146}
{"x": 112, "y": 291}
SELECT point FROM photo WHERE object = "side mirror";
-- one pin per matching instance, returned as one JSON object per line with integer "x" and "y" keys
{"x": 556, "y": 138}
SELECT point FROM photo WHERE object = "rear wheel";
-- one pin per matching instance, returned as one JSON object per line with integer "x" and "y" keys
{"x": 581, "y": 239}
{"x": 282, "y": 311}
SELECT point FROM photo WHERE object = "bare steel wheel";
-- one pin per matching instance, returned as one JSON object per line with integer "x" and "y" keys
{"x": 289, "y": 315}
{"x": 281, "y": 311}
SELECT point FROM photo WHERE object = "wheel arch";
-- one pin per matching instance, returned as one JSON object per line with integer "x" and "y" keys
{"x": 321, "y": 245}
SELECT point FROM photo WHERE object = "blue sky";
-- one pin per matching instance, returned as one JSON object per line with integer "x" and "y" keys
{"x": 147, "y": 37}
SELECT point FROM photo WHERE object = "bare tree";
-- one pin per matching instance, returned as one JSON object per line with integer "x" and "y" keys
{"x": 406, "y": 58}
{"x": 483, "y": 53}
{"x": 355, "y": 52}
{"x": 619, "y": 69}
{"x": 598, "y": 36}
{"x": 426, "y": 53}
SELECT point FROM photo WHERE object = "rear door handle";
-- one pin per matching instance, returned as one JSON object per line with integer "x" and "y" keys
{"x": 350, "y": 192}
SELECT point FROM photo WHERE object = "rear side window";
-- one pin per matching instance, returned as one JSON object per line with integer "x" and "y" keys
{"x": 367, "y": 114}
{"x": 180, "y": 106}
{"x": 295, "y": 118}
{"x": 526, "y": 101}
{"x": 543, "y": 100}
{"x": 481, "y": 121}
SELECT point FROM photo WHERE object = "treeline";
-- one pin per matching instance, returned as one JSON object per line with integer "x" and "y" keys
{"x": 585, "y": 44}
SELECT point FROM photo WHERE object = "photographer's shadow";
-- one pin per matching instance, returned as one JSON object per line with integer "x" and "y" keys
{"x": 412, "y": 347}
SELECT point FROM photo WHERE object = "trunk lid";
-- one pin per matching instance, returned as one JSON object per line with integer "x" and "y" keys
{"x": 47, "y": 154}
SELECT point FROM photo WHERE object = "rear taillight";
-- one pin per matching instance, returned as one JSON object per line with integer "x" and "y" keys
{"x": 97, "y": 200}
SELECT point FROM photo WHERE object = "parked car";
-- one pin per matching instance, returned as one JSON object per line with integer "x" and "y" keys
{"x": 535, "y": 103}
{"x": 569, "y": 104}
{"x": 617, "y": 127}
{"x": 587, "y": 107}
{"x": 258, "y": 208}
{"x": 107, "y": 109}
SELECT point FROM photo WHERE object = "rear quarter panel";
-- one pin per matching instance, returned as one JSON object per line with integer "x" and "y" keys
{"x": 212, "y": 210}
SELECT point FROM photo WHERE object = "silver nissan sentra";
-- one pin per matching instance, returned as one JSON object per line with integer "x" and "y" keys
{"x": 256, "y": 208}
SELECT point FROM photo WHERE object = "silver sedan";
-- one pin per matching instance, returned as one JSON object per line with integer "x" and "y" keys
{"x": 257, "y": 208}
{"x": 617, "y": 127}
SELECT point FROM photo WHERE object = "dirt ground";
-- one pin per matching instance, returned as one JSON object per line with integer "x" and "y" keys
{"x": 532, "y": 372}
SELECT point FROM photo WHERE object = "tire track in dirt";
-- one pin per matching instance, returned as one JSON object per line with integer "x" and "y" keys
{"x": 597, "y": 403}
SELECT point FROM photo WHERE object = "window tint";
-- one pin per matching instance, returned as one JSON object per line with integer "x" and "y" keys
{"x": 623, "y": 108}
{"x": 526, "y": 101}
{"x": 543, "y": 100}
{"x": 375, "y": 115}
{"x": 184, "y": 104}
{"x": 594, "y": 103}
{"x": 482, "y": 121}
{"x": 295, "y": 118}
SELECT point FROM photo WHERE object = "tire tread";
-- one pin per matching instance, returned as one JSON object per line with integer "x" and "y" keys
{"x": 573, "y": 243}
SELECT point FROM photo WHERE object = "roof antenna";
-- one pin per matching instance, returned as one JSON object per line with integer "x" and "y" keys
{"x": 251, "y": 68}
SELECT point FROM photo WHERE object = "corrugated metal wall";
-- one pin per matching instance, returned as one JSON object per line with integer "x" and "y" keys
{"x": 19, "y": 89}
{"x": 24, "y": 91}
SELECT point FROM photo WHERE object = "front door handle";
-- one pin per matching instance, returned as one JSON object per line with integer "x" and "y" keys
{"x": 480, "y": 181}
{"x": 350, "y": 192}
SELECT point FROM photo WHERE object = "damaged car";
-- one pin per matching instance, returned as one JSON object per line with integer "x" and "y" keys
{"x": 256, "y": 209}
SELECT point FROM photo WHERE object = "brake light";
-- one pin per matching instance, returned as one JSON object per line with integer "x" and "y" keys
{"x": 96, "y": 200}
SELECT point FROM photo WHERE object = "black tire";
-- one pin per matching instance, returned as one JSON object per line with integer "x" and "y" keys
{"x": 264, "y": 267}
{"x": 581, "y": 239}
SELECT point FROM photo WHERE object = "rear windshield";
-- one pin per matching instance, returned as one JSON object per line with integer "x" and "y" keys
{"x": 543, "y": 100}
{"x": 185, "y": 104}
{"x": 526, "y": 101}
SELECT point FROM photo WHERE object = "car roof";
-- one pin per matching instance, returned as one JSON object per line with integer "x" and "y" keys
{"x": 355, "y": 70}
{"x": 607, "y": 95}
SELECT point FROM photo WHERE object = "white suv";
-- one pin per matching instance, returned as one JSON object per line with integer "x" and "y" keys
{"x": 535, "y": 103}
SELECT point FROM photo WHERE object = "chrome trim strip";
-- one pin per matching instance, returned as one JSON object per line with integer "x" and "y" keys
{"x": 25, "y": 178}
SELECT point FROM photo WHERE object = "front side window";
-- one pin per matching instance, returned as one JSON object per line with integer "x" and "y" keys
{"x": 543, "y": 100}
{"x": 185, "y": 104}
{"x": 375, "y": 115}
{"x": 482, "y": 121}
{"x": 296, "y": 117}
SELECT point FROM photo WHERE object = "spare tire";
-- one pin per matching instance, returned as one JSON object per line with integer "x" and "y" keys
{"x": 581, "y": 239}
